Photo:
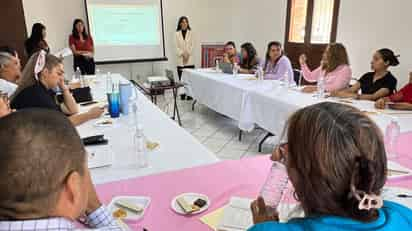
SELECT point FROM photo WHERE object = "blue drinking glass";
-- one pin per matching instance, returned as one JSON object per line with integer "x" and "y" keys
{"x": 114, "y": 104}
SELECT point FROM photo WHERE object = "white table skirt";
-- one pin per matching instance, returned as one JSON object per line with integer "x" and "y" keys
{"x": 265, "y": 103}
{"x": 221, "y": 92}
{"x": 178, "y": 148}
{"x": 271, "y": 109}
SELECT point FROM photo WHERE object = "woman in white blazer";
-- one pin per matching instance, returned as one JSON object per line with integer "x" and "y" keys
{"x": 184, "y": 48}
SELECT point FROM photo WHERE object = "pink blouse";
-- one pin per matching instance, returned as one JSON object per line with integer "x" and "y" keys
{"x": 338, "y": 79}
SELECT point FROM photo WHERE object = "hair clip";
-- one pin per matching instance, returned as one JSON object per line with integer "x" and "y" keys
{"x": 40, "y": 64}
{"x": 370, "y": 201}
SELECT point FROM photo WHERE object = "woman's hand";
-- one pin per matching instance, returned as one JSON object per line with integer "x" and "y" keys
{"x": 302, "y": 59}
{"x": 380, "y": 104}
{"x": 62, "y": 85}
{"x": 261, "y": 213}
{"x": 95, "y": 112}
{"x": 309, "y": 89}
{"x": 4, "y": 107}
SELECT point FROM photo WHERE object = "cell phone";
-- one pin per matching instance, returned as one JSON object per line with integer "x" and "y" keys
{"x": 88, "y": 103}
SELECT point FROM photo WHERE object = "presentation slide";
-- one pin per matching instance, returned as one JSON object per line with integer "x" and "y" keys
{"x": 125, "y": 30}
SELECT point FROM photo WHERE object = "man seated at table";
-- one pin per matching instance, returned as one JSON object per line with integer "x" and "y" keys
{"x": 231, "y": 55}
{"x": 45, "y": 182}
{"x": 10, "y": 71}
{"x": 401, "y": 100}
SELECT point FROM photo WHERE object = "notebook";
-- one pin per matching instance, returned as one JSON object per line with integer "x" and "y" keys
{"x": 237, "y": 215}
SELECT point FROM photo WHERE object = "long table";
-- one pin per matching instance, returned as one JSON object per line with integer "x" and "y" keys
{"x": 267, "y": 103}
{"x": 220, "y": 182}
{"x": 178, "y": 149}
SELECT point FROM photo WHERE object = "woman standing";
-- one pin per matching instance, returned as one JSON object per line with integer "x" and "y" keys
{"x": 276, "y": 64}
{"x": 184, "y": 48}
{"x": 81, "y": 44}
{"x": 37, "y": 40}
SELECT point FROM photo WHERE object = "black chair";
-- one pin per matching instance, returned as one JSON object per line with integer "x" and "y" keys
{"x": 297, "y": 76}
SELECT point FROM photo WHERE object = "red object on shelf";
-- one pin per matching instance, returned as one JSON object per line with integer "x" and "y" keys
{"x": 211, "y": 53}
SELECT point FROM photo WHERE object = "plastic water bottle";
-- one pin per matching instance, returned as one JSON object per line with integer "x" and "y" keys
{"x": 259, "y": 73}
{"x": 235, "y": 69}
{"x": 140, "y": 147}
{"x": 321, "y": 87}
{"x": 286, "y": 79}
{"x": 97, "y": 73}
{"x": 217, "y": 65}
{"x": 109, "y": 83}
{"x": 78, "y": 76}
{"x": 391, "y": 135}
{"x": 275, "y": 185}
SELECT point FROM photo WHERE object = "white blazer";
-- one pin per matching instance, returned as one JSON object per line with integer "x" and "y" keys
{"x": 184, "y": 45}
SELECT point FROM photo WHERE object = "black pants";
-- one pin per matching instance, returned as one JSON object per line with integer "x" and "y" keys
{"x": 86, "y": 65}
{"x": 180, "y": 70}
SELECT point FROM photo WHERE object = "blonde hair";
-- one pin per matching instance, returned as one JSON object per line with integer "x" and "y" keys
{"x": 28, "y": 78}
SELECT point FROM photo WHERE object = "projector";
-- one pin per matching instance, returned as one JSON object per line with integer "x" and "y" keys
{"x": 158, "y": 81}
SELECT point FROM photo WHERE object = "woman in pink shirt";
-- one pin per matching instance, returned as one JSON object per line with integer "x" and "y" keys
{"x": 334, "y": 67}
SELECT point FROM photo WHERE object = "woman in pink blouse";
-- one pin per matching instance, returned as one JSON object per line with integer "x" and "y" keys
{"x": 334, "y": 67}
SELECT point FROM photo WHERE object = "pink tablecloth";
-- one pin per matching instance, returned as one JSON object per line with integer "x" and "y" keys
{"x": 219, "y": 182}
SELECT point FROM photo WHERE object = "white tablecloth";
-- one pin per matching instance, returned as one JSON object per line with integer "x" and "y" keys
{"x": 178, "y": 149}
{"x": 221, "y": 92}
{"x": 270, "y": 109}
{"x": 265, "y": 103}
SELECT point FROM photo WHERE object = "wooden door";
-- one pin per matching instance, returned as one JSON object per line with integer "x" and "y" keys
{"x": 310, "y": 26}
{"x": 13, "y": 26}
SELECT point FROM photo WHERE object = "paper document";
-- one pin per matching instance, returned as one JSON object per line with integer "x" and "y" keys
{"x": 237, "y": 215}
{"x": 99, "y": 156}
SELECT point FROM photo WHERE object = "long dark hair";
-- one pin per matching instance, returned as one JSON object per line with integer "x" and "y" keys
{"x": 37, "y": 33}
{"x": 251, "y": 53}
{"x": 335, "y": 152}
{"x": 273, "y": 43}
{"x": 75, "y": 33}
{"x": 389, "y": 56}
{"x": 179, "y": 28}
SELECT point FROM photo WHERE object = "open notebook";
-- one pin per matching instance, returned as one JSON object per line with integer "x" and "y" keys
{"x": 237, "y": 215}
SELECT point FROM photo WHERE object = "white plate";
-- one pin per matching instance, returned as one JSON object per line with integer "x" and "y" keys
{"x": 143, "y": 202}
{"x": 190, "y": 198}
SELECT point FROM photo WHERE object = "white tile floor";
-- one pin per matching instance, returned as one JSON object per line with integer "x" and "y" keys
{"x": 217, "y": 132}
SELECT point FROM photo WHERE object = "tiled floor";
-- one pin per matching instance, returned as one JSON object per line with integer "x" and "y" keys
{"x": 217, "y": 132}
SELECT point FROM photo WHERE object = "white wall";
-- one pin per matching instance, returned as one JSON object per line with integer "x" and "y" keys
{"x": 364, "y": 26}
{"x": 367, "y": 25}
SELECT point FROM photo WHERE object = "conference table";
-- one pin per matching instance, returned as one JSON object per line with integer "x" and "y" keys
{"x": 268, "y": 103}
{"x": 181, "y": 164}
{"x": 177, "y": 149}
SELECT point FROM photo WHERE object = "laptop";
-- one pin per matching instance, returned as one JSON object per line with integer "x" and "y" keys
{"x": 226, "y": 68}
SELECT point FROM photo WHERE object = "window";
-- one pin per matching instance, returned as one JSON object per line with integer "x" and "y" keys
{"x": 322, "y": 21}
{"x": 312, "y": 21}
{"x": 298, "y": 21}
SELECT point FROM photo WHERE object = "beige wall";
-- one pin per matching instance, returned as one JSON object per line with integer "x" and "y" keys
{"x": 367, "y": 25}
{"x": 364, "y": 26}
